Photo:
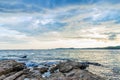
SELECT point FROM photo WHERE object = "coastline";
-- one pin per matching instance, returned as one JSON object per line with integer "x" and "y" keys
{"x": 66, "y": 70}
{"x": 41, "y": 57}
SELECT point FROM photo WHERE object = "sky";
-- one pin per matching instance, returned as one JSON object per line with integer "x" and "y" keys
{"x": 46, "y": 24}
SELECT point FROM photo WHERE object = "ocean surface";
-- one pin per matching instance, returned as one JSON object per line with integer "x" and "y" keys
{"x": 110, "y": 59}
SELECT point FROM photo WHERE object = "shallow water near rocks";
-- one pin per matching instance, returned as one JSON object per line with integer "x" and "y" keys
{"x": 109, "y": 58}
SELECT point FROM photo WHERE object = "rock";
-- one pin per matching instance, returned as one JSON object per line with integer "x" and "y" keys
{"x": 78, "y": 74}
{"x": 34, "y": 74}
{"x": 92, "y": 63}
{"x": 53, "y": 68}
{"x": 2, "y": 77}
{"x": 56, "y": 76}
{"x": 78, "y": 65}
{"x": 83, "y": 66}
{"x": 22, "y": 77}
{"x": 69, "y": 65}
{"x": 42, "y": 69}
{"x": 65, "y": 67}
{"x": 70, "y": 74}
{"x": 7, "y": 66}
{"x": 13, "y": 77}
{"x": 69, "y": 70}
{"x": 75, "y": 74}
{"x": 25, "y": 56}
{"x": 9, "y": 74}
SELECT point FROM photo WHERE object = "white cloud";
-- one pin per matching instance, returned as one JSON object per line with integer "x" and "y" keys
{"x": 14, "y": 19}
{"x": 12, "y": 36}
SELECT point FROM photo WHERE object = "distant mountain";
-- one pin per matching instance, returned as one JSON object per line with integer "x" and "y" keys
{"x": 109, "y": 47}
{"x": 113, "y": 47}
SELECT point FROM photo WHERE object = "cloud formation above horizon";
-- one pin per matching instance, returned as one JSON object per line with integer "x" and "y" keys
{"x": 43, "y": 24}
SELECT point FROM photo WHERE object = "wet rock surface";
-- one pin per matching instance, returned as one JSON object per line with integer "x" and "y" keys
{"x": 67, "y": 70}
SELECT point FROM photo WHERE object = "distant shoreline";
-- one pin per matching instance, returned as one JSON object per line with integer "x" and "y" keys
{"x": 104, "y": 48}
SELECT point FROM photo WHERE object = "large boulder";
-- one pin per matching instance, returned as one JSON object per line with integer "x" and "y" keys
{"x": 69, "y": 65}
{"x": 65, "y": 67}
{"x": 7, "y": 66}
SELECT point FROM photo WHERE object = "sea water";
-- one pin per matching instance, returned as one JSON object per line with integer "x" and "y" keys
{"x": 110, "y": 59}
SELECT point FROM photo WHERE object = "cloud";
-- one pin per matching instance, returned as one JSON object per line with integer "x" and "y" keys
{"x": 112, "y": 37}
{"x": 11, "y": 36}
{"x": 67, "y": 23}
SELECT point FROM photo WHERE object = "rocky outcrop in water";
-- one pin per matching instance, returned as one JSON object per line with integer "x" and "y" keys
{"x": 68, "y": 70}
{"x": 71, "y": 70}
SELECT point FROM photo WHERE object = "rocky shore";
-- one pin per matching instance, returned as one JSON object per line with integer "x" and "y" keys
{"x": 66, "y": 70}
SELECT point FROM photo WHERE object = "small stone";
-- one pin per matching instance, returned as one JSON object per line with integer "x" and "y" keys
{"x": 42, "y": 69}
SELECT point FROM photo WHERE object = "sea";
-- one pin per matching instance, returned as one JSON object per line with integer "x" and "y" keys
{"x": 109, "y": 58}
